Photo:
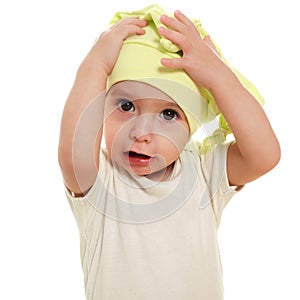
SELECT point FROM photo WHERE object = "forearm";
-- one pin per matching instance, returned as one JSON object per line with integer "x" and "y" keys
{"x": 253, "y": 133}
{"x": 81, "y": 128}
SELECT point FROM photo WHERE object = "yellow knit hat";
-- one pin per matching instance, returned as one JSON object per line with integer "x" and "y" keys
{"x": 139, "y": 60}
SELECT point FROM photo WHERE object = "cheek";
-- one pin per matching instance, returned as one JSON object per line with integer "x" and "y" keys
{"x": 170, "y": 145}
{"x": 170, "y": 150}
{"x": 110, "y": 131}
{"x": 115, "y": 134}
{"x": 176, "y": 137}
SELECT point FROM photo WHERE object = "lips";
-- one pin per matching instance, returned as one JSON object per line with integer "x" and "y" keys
{"x": 137, "y": 158}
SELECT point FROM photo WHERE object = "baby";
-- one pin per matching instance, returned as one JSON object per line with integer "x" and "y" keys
{"x": 148, "y": 204}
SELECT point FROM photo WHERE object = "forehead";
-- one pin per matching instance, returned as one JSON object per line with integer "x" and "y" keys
{"x": 135, "y": 90}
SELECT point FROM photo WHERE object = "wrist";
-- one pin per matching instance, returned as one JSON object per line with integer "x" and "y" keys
{"x": 227, "y": 82}
{"x": 91, "y": 76}
{"x": 92, "y": 65}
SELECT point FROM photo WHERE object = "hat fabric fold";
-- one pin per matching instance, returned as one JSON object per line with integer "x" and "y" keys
{"x": 139, "y": 60}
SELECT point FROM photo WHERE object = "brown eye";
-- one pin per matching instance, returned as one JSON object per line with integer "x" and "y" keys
{"x": 125, "y": 105}
{"x": 169, "y": 114}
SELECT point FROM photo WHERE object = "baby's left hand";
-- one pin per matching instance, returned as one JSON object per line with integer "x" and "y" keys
{"x": 200, "y": 58}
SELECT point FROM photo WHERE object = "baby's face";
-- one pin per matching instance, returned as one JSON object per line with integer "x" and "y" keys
{"x": 145, "y": 130}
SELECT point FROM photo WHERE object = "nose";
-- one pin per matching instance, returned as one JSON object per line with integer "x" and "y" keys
{"x": 142, "y": 128}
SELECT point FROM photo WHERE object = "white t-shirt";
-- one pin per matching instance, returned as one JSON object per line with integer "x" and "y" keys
{"x": 146, "y": 240}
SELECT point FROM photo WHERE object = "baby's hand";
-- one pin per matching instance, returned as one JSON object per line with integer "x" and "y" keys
{"x": 105, "y": 51}
{"x": 200, "y": 58}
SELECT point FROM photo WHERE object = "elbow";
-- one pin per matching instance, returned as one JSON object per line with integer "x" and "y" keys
{"x": 271, "y": 159}
{"x": 275, "y": 155}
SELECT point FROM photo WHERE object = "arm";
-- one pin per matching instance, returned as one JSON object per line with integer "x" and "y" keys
{"x": 81, "y": 124}
{"x": 256, "y": 150}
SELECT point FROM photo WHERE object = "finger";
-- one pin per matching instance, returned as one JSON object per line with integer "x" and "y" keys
{"x": 138, "y": 22}
{"x": 184, "y": 19}
{"x": 179, "y": 39}
{"x": 134, "y": 26}
{"x": 174, "y": 63}
{"x": 132, "y": 21}
{"x": 139, "y": 30}
{"x": 172, "y": 23}
{"x": 130, "y": 30}
{"x": 128, "y": 27}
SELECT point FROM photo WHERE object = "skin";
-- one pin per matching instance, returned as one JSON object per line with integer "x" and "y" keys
{"x": 144, "y": 121}
{"x": 256, "y": 150}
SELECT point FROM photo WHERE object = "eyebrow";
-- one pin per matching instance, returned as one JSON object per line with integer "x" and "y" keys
{"x": 170, "y": 104}
{"x": 120, "y": 92}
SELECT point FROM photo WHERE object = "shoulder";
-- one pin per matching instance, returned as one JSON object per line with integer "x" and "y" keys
{"x": 212, "y": 173}
{"x": 215, "y": 157}
{"x": 104, "y": 172}
{"x": 214, "y": 165}
{"x": 211, "y": 164}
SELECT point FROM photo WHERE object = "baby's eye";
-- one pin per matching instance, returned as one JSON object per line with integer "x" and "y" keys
{"x": 125, "y": 105}
{"x": 169, "y": 114}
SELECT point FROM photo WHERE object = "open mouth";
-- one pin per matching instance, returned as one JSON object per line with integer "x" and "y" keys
{"x": 137, "y": 158}
{"x": 138, "y": 155}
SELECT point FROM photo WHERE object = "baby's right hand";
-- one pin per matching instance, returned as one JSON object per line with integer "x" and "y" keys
{"x": 104, "y": 53}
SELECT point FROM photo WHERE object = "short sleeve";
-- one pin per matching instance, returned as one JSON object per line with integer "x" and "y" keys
{"x": 214, "y": 169}
{"x": 83, "y": 207}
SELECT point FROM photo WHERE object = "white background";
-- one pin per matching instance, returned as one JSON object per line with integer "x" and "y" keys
{"x": 42, "y": 44}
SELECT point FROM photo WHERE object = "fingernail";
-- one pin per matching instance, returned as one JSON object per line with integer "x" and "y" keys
{"x": 163, "y": 61}
{"x": 161, "y": 29}
{"x": 163, "y": 17}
